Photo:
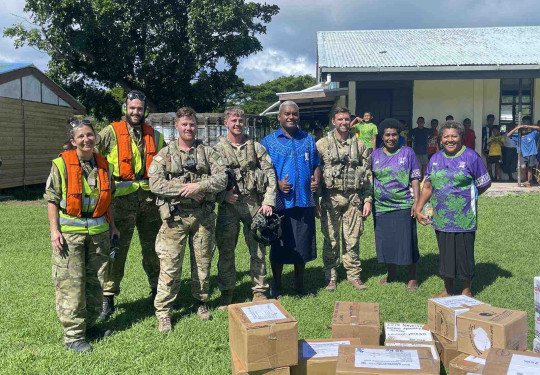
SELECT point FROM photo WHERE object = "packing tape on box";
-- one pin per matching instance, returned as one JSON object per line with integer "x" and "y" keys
{"x": 272, "y": 345}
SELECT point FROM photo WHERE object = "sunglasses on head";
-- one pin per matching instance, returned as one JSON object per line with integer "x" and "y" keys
{"x": 77, "y": 123}
{"x": 136, "y": 95}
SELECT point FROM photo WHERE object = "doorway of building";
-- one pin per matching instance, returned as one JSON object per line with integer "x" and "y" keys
{"x": 376, "y": 101}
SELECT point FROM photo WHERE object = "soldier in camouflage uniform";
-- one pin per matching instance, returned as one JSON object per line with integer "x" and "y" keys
{"x": 346, "y": 198}
{"x": 130, "y": 146}
{"x": 80, "y": 234}
{"x": 186, "y": 176}
{"x": 256, "y": 183}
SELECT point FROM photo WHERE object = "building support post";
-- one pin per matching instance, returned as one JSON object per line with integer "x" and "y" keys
{"x": 351, "y": 105}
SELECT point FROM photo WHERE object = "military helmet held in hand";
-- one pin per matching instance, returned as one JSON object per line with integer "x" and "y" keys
{"x": 266, "y": 229}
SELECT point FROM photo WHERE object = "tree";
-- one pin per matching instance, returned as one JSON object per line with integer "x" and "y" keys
{"x": 256, "y": 98}
{"x": 179, "y": 52}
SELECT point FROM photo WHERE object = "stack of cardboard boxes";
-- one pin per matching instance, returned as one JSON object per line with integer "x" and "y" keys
{"x": 536, "y": 341}
{"x": 467, "y": 336}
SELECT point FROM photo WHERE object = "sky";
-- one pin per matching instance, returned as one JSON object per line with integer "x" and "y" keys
{"x": 289, "y": 46}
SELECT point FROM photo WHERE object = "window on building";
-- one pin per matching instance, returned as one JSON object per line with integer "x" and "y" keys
{"x": 509, "y": 106}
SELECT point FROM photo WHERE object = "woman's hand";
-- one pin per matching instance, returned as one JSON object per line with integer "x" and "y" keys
{"x": 413, "y": 210}
{"x": 57, "y": 241}
{"x": 422, "y": 219}
{"x": 114, "y": 232}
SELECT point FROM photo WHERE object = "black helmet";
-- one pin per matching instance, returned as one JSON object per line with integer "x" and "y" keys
{"x": 266, "y": 229}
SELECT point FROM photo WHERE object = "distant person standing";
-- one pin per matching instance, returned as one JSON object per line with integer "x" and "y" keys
{"x": 419, "y": 137}
{"x": 296, "y": 163}
{"x": 529, "y": 147}
{"x": 469, "y": 137}
{"x": 449, "y": 118}
{"x": 318, "y": 133}
{"x": 366, "y": 131}
{"x": 495, "y": 145}
{"x": 404, "y": 132}
{"x": 486, "y": 133}
{"x": 509, "y": 155}
{"x": 433, "y": 139}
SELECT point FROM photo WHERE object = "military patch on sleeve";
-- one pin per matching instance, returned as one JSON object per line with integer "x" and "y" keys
{"x": 153, "y": 168}
{"x": 158, "y": 158}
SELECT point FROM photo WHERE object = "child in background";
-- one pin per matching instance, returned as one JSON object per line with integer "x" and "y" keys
{"x": 495, "y": 145}
{"x": 529, "y": 148}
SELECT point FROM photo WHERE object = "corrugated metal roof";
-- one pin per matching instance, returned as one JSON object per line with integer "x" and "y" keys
{"x": 8, "y": 67}
{"x": 429, "y": 47}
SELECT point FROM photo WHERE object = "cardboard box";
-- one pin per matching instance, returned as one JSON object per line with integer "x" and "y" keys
{"x": 239, "y": 369}
{"x": 319, "y": 356}
{"x": 510, "y": 362}
{"x": 357, "y": 320}
{"x": 407, "y": 332}
{"x": 465, "y": 364}
{"x": 381, "y": 360}
{"x": 263, "y": 335}
{"x": 418, "y": 344}
{"x": 537, "y": 291}
{"x": 485, "y": 327}
{"x": 537, "y": 322}
{"x": 443, "y": 313}
{"x": 447, "y": 349}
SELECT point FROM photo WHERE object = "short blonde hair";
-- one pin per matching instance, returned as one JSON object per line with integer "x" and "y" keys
{"x": 235, "y": 110}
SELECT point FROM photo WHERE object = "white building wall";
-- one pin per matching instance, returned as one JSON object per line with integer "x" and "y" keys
{"x": 536, "y": 100}
{"x": 474, "y": 99}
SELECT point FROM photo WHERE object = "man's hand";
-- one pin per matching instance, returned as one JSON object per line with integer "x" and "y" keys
{"x": 284, "y": 185}
{"x": 190, "y": 190}
{"x": 266, "y": 210}
{"x": 366, "y": 210}
{"x": 231, "y": 197}
{"x": 314, "y": 184}
{"x": 199, "y": 197}
{"x": 57, "y": 241}
{"x": 114, "y": 232}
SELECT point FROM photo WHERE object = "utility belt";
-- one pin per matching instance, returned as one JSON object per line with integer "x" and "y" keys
{"x": 137, "y": 178}
{"x": 168, "y": 210}
{"x": 84, "y": 215}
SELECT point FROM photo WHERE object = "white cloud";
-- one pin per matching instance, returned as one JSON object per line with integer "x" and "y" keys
{"x": 272, "y": 63}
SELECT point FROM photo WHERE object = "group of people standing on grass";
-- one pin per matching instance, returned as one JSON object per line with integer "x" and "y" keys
{"x": 126, "y": 177}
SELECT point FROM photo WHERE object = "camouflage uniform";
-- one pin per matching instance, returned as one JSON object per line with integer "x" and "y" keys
{"x": 256, "y": 181}
{"x": 346, "y": 186}
{"x": 185, "y": 220}
{"x": 137, "y": 209}
{"x": 77, "y": 272}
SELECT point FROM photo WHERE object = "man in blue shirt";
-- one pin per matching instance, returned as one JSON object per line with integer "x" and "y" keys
{"x": 296, "y": 163}
{"x": 529, "y": 147}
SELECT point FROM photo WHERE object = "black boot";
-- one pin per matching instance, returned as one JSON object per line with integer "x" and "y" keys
{"x": 97, "y": 333}
{"x": 108, "y": 307}
{"x": 79, "y": 346}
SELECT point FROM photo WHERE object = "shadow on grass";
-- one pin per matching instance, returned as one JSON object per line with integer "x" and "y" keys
{"x": 27, "y": 193}
{"x": 133, "y": 312}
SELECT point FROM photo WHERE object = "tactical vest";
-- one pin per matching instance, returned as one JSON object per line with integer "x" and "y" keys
{"x": 176, "y": 168}
{"x": 341, "y": 174}
{"x": 130, "y": 170}
{"x": 83, "y": 209}
{"x": 249, "y": 176}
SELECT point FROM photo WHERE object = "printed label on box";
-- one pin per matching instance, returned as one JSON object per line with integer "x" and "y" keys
{"x": 322, "y": 349}
{"x": 390, "y": 359}
{"x": 481, "y": 339}
{"x": 263, "y": 313}
{"x": 475, "y": 359}
{"x": 523, "y": 365}
{"x": 406, "y": 332}
{"x": 457, "y": 301}
{"x": 432, "y": 347}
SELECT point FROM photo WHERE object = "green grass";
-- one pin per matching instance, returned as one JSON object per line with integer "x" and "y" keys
{"x": 507, "y": 259}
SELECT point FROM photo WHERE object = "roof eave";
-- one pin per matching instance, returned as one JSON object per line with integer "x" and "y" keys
{"x": 445, "y": 68}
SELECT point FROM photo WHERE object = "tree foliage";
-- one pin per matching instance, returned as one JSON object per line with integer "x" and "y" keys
{"x": 179, "y": 52}
{"x": 256, "y": 98}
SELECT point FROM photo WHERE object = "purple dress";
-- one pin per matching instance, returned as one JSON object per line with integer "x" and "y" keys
{"x": 396, "y": 240}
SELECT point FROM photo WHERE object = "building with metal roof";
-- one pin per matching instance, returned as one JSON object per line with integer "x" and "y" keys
{"x": 34, "y": 114}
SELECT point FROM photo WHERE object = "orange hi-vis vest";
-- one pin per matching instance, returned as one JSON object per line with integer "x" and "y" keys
{"x": 74, "y": 199}
{"x": 123, "y": 140}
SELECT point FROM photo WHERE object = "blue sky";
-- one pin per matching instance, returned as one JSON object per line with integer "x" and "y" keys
{"x": 289, "y": 45}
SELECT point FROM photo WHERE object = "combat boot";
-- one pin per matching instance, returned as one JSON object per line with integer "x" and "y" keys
{"x": 226, "y": 299}
{"x": 358, "y": 284}
{"x": 79, "y": 346}
{"x": 259, "y": 296}
{"x": 331, "y": 287}
{"x": 108, "y": 307}
{"x": 203, "y": 313}
{"x": 164, "y": 324}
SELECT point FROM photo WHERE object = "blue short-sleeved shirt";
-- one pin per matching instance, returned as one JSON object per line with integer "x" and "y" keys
{"x": 528, "y": 143}
{"x": 296, "y": 157}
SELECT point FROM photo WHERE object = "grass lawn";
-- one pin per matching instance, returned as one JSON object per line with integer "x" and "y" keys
{"x": 507, "y": 259}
